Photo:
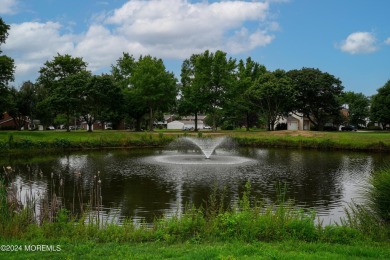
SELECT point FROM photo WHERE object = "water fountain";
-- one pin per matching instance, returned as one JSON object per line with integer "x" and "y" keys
{"x": 207, "y": 146}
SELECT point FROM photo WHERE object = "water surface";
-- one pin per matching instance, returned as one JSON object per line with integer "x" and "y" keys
{"x": 140, "y": 185}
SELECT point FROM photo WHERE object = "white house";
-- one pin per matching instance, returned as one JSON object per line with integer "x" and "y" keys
{"x": 295, "y": 122}
{"x": 175, "y": 125}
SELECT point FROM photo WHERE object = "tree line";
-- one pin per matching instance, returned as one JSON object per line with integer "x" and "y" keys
{"x": 232, "y": 93}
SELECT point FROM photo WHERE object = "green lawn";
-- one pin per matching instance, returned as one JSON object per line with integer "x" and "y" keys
{"x": 369, "y": 141}
{"x": 215, "y": 250}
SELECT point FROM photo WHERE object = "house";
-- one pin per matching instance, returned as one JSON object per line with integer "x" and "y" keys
{"x": 186, "y": 123}
{"x": 175, "y": 125}
{"x": 295, "y": 122}
{"x": 7, "y": 123}
{"x": 191, "y": 124}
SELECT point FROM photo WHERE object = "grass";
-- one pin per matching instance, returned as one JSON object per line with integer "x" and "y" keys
{"x": 367, "y": 141}
{"x": 215, "y": 250}
{"x": 46, "y": 140}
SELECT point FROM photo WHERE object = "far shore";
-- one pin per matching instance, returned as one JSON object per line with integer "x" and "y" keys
{"x": 19, "y": 141}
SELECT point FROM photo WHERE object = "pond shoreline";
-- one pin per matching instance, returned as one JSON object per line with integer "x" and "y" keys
{"x": 18, "y": 142}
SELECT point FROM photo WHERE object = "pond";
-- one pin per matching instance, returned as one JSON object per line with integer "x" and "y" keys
{"x": 142, "y": 184}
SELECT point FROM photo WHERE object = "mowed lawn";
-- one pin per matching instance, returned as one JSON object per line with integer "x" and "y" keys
{"x": 360, "y": 140}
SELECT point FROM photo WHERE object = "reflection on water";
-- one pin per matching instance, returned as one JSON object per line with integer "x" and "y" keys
{"x": 136, "y": 185}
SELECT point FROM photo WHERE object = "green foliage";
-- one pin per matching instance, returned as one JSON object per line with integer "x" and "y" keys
{"x": 341, "y": 234}
{"x": 380, "y": 105}
{"x": 7, "y": 67}
{"x": 272, "y": 94}
{"x": 4, "y": 213}
{"x": 153, "y": 86}
{"x": 316, "y": 95}
{"x": 205, "y": 79}
{"x": 62, "y": 143}
{"x": 98, "y": 95}
{"x": 379, "y": 194}
{"x": 62, "y": 81}
{"x": 358, "y": 107}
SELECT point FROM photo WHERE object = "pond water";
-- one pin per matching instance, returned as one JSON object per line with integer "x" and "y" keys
{"x": 144, "y": 183}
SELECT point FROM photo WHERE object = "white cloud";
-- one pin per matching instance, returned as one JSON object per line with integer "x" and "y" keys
{"x": 359, "y": 42}
{"x": 30, "y": 44}
{"x": 178, "y": 28}
{"x": 172, "y": 29}
{"x": 8, "y": 6}
{"x": 387, "y": 41}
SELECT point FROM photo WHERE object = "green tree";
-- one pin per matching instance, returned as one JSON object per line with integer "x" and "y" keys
{"x": 272, "y": 94}
{"x": 316, "y": 95}
{"x": 133, "y": 106}
{"x": 154, "y": 86}
{"x": 205, "y": 80}
{"x": 123, "y": 70}
{"x": 102, "y": 100}
{"x": 238, "y": 103}
{"x": 64, "y": 77}
{"x": 42, "y": 107}
{"x": 192, "y": 93}
{"x": 22, "y": 104}
{"x": 358, "y": 107}
{"x": 380, "y": 105}
{"x": 7, "y": 69}
{"x": 222, "y": 77}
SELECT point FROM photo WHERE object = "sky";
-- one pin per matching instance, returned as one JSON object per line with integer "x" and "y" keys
{"x": 349, "y": 39}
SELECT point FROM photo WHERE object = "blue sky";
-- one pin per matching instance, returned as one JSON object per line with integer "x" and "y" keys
{"x": 347, "y": 38}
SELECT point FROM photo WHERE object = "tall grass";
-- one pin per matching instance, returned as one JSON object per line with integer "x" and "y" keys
{"x": 379, "y": 194}
{"x": 372, "y": 217}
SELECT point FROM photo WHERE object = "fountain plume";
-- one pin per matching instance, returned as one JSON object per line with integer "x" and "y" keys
{"x": 207, "y": 145}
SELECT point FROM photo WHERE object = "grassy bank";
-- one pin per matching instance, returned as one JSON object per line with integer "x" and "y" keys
{"x": 364, "y": 141}
{"x": 46, "y": 140}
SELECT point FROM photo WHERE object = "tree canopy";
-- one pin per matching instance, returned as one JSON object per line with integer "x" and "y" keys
{"x": 7, "y": 70}
{"x": 271, "y": 94}
{"x": 154, "y": 85}
{"x": 380, "y": 105}
{"x": 358, "y": 107}
{"x": 316, "y": 95}
{"x": 64, "y": 78}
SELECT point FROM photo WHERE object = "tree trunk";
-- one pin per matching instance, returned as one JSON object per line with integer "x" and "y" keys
{"x": 150, "y": 119}
{"x": 214, "y": 123}
{"x": 67, "y": 122}
{"x": 196, "y": 122}
{"x": 89, "y": 126}
{"x": 138, "y": 124}
{"x": 247, "y": 121}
